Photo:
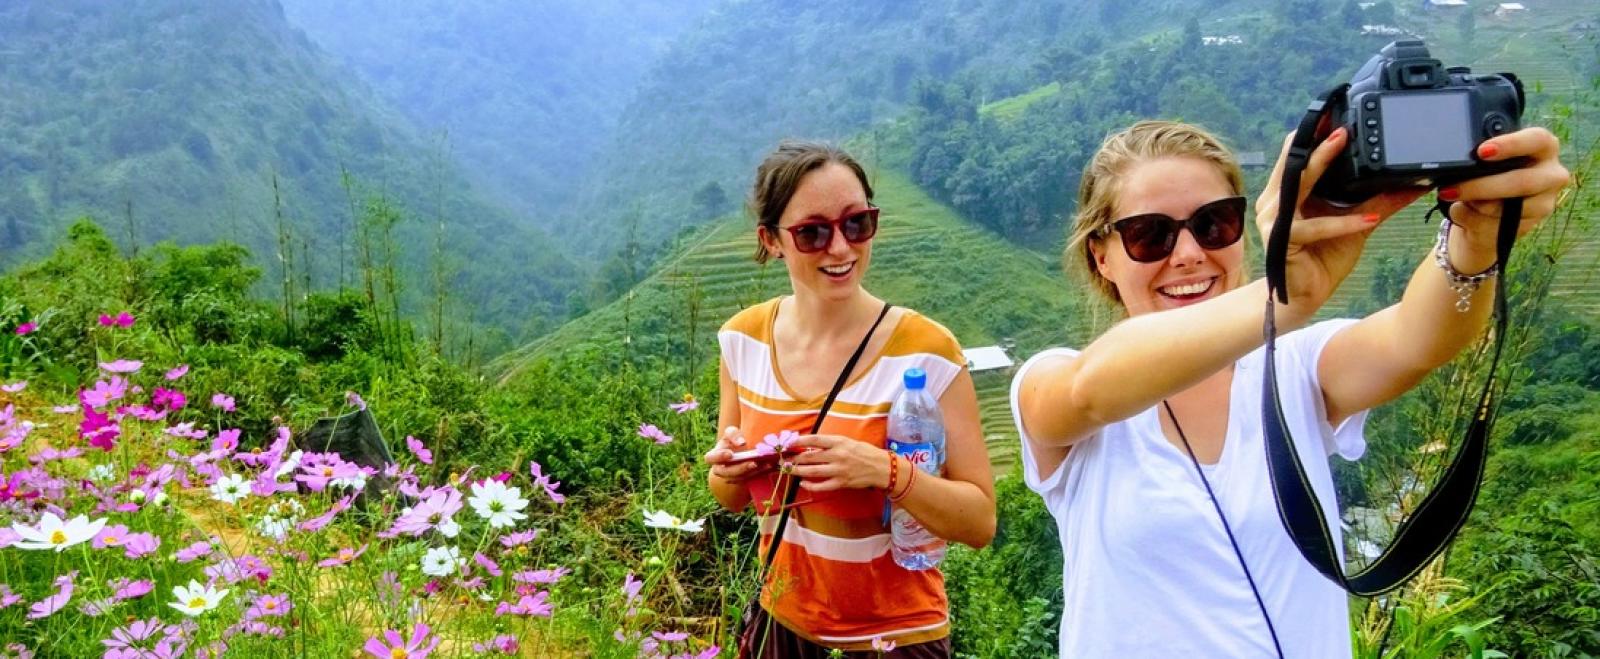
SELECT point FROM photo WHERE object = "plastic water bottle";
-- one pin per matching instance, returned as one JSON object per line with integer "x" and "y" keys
{"x": 916, "y": 431}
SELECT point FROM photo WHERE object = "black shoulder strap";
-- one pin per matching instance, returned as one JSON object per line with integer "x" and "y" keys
{"x": 1435, "y": 522}
{"x": 792, "y": 489}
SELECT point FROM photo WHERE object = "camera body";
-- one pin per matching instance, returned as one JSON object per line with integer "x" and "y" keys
{"x": 1414, "y": 123}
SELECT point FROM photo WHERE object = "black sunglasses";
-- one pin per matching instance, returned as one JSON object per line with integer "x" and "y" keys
{"x": 815, "y": 235}
{"x": 1151, "y": 237}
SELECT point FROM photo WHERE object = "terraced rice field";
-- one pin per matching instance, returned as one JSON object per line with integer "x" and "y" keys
{"x": 924, "y": 257}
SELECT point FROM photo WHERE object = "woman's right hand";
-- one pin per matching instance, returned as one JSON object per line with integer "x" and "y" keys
{"x": 719, "y": 455}
{"x": 1325, "y": 242}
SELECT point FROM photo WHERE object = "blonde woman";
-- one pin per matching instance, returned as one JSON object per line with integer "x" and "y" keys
{"x": 1146, "y": 439}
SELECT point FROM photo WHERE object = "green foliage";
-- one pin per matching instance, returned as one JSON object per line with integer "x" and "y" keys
{"x": 205, "y": 121}
{"x": 1007, "y": 597}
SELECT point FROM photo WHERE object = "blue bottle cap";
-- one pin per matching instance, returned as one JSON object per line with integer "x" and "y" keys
{"x": 916, "y": 378}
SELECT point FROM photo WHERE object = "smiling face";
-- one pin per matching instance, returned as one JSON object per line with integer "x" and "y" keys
{"x": 1174, "y": 186}
{"x": 825, "y": 194}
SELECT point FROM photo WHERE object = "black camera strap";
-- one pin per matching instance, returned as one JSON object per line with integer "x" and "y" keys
{"x": 1430, "y": 528}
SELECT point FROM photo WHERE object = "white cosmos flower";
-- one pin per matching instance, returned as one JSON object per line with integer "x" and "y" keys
{"x": 230, "y": 489}
{"x": 290, "y": 464}
{"x": 661, "y": 520}
{"x": 497, "y": 503}
{"x": 102, "y": 473}
{"x": 442, "y": 561}
{"x": 195, "y": 599}
{"x": 276, "y": 528}
{"x": 53, "y": 533}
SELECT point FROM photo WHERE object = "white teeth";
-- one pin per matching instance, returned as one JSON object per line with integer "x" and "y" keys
{"x": 1187, "y": 289}
{"x": 838, "y": 269}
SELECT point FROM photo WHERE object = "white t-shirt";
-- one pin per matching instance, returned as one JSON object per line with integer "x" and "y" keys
{"x": 1149, "y": 571}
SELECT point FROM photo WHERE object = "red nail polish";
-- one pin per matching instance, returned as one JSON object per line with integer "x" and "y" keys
{"x": 1370, "y": 218}
{"x": 1450, "y": 194}
{"x": 1488, "y": 150}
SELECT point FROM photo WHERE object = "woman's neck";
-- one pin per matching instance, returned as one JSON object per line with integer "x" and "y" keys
{"x": 826, "y": 320}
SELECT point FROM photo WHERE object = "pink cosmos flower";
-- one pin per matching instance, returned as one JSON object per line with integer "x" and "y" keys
{"x": 540, "y": 576}
{"x": 418, "y": 449}
{"x": 110, "y": 536}
{"x": 689, "y": 404}
{"x": 168, "y": 399}
{"x": 104, "y": 392}
{"x": 122, "y": 366}
{"x": 519, "y": 538}
{"x": 319, "y": 469}
{"x": 670, "y": 637}
{"x": 317, "y": 523}
{"x": 15, "y": 387}
{"x": 504, "y": 644}
{"x": 27, "y": 328}
{"x": 649, "y": 431}
{"x": 178, "y": 371}
{"x": 227, "y": 440}
{"x": 45, "y": 607}
{"x": 132, "y": 640}
{"x": 395, "y": 646}
{"x": 774, "y": 443}
{"x": 7, "y": 598}
{"x": 344, "y": 556}
{"x": 268, "y": 605}
{"x": 222, "y": 402}
{"x": 528, "y": 605}
{"x": 544, "y": 481}
{"x": 186, "y": 429}
{"x": 487, "y": 563}
{"x": 436, "y": 511}
{"x": 99, "y": 430}
{"x": 881, "y": 646}
{"x": 139, "y": 545}
{"x": 123, "y": 589}
{"x": 630, "y": 592}
{"x": 194, "y": 552}
{"x": 353, "y": 399}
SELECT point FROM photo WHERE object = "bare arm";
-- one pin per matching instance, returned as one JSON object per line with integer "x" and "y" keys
{"x": 1141, "y": 361}
{"x": 958, "y": 507}
{"x": 1386, "y": 354}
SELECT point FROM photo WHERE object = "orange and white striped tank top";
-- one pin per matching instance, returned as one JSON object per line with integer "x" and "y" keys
{"x": 834, "y": 581}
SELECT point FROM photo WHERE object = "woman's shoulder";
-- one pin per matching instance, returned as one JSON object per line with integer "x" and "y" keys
{"x": 917, "y": 333}
{"x": 753, "y": 320}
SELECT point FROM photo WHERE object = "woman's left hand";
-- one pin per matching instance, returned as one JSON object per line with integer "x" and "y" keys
{"x": 1539, "y": 183}
{"x": 835, "y": 462}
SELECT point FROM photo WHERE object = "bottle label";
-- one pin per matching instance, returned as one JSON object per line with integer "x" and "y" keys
{"x": 919, "y": 455}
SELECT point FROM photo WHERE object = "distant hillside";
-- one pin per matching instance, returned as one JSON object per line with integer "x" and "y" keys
{"x": 760, "y": 70}
{"x": 924, "y": 257}
{"x": 527, "y": 91}
{"x": 170, "y": 119}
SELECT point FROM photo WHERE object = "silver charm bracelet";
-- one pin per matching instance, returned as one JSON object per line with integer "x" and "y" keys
{"x": 1464, "y": 285}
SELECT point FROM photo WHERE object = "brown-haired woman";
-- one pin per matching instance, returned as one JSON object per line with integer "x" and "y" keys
{"x": 833, "y": 584}
{"x": 1143, "y": 443}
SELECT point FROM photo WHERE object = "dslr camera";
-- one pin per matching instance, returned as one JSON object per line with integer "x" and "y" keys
{"x": 1414, "y": 123}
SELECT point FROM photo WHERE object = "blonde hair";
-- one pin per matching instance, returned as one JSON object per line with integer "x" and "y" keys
{"x": 1098, "y": 190}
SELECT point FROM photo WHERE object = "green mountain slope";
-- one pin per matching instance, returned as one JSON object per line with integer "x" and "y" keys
{"x": 757, "y": 71}
{"x": 924, "y": 257}
{"x": 527, "y": 91}
{"x": 172, "y": 119}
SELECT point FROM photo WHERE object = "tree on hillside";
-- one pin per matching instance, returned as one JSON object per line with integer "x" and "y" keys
{"x": 710, "y": 200}
{"x": 1351, "y": 14}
